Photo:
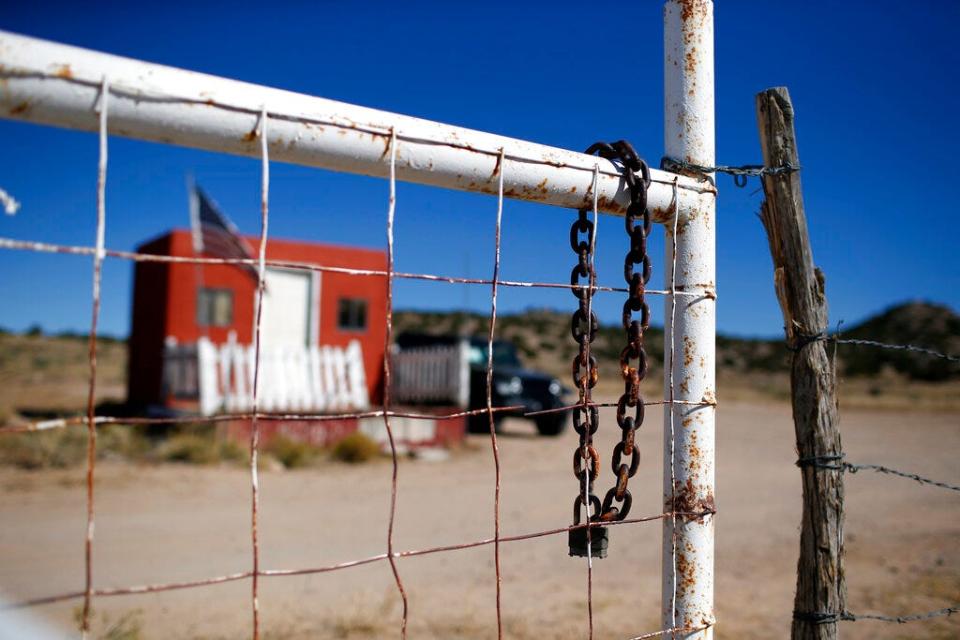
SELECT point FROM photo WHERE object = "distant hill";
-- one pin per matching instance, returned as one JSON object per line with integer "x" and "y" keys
{"x": 543, "y": 338}
{"x": 43, "y": 375}
{"x": 922, "y": 324}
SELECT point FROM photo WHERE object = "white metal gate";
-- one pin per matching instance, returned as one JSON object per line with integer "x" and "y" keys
{"x": 65, "y": 86}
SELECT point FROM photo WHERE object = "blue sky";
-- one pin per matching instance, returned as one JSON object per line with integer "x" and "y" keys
{"x": 872, "y": 84}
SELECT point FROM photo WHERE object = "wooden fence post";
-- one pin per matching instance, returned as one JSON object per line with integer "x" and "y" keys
{"x": 821, "y": 592}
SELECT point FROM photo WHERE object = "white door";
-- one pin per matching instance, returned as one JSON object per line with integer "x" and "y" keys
{"x": 288, "y": 308}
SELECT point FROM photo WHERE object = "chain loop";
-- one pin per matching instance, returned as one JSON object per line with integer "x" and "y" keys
{"x": 637, "y": 269}
{"x": 583, "y": 328}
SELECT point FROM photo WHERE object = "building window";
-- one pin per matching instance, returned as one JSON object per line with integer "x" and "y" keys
{"x": 215, "y": 307}
{"x": 352, "y": 314}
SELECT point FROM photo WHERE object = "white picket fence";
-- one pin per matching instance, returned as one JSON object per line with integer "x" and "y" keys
{"x": 438, "y": 374}
{"x": 220, "y": 377}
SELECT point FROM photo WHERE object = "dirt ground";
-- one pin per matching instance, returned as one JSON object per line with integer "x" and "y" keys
{"x": 169, "y": 522}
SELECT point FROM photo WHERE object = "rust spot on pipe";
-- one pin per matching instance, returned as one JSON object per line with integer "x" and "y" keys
{"x": 386, "y": 145}
{"x": 20, "y": 108}
{"x": 709, "y": 397}
{"x": 687, "y": 499}
{"x": 691, "y": 61}
{"x": 64, "y": 71}
{"x": 251, "y": 135}
{"x": 690, "y": 9}
{"x": 496, "y": 169}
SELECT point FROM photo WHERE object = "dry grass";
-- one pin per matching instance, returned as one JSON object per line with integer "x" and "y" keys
{"x": 356, "y": 447}
{"x": 48, "y": 376}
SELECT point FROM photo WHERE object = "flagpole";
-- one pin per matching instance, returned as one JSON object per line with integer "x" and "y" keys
{"x": 197, "y": 237}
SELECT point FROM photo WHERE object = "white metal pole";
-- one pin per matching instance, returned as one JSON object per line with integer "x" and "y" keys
{"x": 689, "y": 474}
{"x": 55, "y": 84}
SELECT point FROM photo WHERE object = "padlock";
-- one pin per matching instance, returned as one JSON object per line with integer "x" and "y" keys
{"x": 577, "y": 538}
{"x": 598, "y": 542}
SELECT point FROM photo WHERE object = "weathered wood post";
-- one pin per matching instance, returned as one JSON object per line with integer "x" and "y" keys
{"x": 799, "y": 285}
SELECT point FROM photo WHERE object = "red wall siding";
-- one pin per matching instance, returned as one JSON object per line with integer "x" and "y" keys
{"x": 172, "y": 306}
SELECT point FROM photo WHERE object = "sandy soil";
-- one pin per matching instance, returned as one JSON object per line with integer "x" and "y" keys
{"x": 168, "y": 523}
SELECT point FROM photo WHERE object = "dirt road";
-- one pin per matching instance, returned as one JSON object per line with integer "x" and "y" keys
{"x": 168, "y": 523}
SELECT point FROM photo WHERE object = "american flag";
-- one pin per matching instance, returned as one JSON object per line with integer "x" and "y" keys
{"x": 214, "y": 234}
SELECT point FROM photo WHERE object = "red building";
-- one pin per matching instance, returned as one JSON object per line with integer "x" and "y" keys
{"x": 322, "y": 343}
{"x": 178, "y": 305}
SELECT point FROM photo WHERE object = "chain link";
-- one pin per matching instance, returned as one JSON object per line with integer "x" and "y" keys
{"x": 583, "y": 328}
{"x": 633, "y": 358}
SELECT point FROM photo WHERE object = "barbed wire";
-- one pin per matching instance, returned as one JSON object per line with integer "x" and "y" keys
{"x": 836, "y": 463}
{"x": 825, "y": 617}
{"x": 897, "y": 347}
{"x": 802, "y": 340}
{"x": 740, "y": 173}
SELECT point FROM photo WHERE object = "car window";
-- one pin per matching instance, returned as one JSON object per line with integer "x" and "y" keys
{"x": 504, "y": 355}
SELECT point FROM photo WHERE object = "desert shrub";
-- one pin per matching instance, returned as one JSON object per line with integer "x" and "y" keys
{"x": 356, "y": 447}
{"x": 123, "y": 441}
{"x": 291, "y": 453}
{"x": 129, "y": 626}
{"x": 232, "y": 451}
{"x": 51, "y": 449}
{"x": 189, "y": 447}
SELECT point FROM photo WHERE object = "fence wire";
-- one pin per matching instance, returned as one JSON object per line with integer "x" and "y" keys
{"x": 91, "y": 421}
{"x": 837, "y": 463}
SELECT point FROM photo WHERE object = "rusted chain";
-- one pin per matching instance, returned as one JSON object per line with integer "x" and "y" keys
{"x": 625, "y": 460}
{"x": 583, "y": 327}
{"x": 586, "y": 419}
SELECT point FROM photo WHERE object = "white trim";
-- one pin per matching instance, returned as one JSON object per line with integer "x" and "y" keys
{"x": 316, "y": 307}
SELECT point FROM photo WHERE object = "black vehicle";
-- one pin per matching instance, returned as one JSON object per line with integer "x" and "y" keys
{"x": 513, "y": 385}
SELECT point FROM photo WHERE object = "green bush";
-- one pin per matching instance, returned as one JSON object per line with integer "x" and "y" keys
{"x": 291, "y": 453}
{"x": 122, "y": 440}
{"x": 233, "y": 451}
{"x": 189, "y": 447}
{"x": 356, "y": 447}
{"x": 57, "y": 449}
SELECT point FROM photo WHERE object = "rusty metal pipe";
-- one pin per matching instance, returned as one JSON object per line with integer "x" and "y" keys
{"x": 688, "y": 561}
{"x": 56, "y": 84}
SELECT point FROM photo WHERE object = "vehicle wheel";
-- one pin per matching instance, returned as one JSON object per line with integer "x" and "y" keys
{"x": 481, "y": 423}
{"x": 552, "y": 424}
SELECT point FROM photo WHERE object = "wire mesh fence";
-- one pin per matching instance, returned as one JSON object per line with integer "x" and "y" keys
{"x": 92, "y": 420}
{"x": 601, "y": 189}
